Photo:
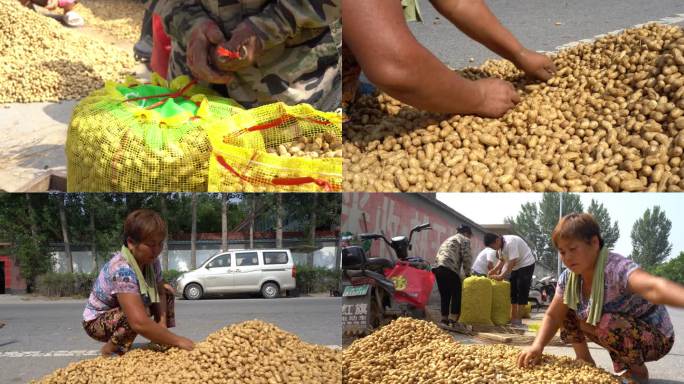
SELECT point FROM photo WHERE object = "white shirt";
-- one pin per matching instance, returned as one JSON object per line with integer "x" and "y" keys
{"x": 487, "y": 255}
{"x": 516, "y": 249}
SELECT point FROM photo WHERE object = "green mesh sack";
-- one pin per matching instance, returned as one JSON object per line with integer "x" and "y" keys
{"x": 476, "y": 301}
{"x": 135, "y": 137}
{"x": 501, "y": 302}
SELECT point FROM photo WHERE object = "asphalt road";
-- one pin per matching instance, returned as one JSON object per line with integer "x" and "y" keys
{"x": 51, "y": 329}
{"x": 539, "y": 24}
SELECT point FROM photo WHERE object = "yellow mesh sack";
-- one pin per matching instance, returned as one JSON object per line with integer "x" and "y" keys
{"x": 476, "y": 301}
{"x": 134, "y": 137}
{"x": 277, "y": 148}
{"x": 527, "y": 311}
{"x": 501, "y": 302}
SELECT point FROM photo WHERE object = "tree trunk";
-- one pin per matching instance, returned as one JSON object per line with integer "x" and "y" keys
{"x": 32, "y": 220}
{"x": 279, "y": 220}
{"x": 165, "y": 250}
{"x": 93, "y": 247}
{"x": 224, "y": 222}
{"x": 65, "y": 232}
{"x": 34, "y": 235}
{"x": 251, "y": 222}
{"x": 312, "y": 230}
{"x": 193, "y": 236}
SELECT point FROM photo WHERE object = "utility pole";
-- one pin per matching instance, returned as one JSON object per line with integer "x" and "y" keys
{"x": 560, "y": 216}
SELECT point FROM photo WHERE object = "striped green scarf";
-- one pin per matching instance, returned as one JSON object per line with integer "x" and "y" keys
{"x": 572, "y": 294}
{"x": 411, "y": 10}
{"x": 146, "y": 280}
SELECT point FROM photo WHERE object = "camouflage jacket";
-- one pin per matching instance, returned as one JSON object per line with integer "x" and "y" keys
{"x": 301, "y": 42}
{"x": 455, "y": 253}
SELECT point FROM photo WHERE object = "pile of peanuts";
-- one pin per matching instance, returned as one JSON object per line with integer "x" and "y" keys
{"x": 120, "y": 19}
{"x": 611, "y": 119}
{"x": 44, "y": 61}
{"x": 323, "y": 145}
{"x": 249, "y": 352}
{"x": 415, "y": 351}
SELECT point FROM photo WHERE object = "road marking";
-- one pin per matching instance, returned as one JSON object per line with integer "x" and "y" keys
{"x": 78, "y": 353}
{"x": 75, "y": 353}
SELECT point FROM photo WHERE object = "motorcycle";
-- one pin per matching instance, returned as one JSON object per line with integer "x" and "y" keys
{"x": 368, "y": 296}
{"x": 542, "y": 292}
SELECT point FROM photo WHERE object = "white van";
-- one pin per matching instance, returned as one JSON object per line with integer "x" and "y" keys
{"x": 269, "y": 271}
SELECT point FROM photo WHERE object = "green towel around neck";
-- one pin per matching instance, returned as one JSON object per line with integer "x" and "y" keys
{"x": 572, "y": 294}
{"x": 146, "y": 280}
{"x": 411, "y": 10}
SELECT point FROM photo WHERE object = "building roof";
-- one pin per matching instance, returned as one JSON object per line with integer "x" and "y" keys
{"x": 432, "y": 199}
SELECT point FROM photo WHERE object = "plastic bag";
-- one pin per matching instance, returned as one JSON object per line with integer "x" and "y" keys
{"x": 412, "y": 285}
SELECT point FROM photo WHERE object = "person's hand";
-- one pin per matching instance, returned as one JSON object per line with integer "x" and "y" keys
{"x": 240, "y": 52}
{"x": 185, "y": 343}
{"x": 169, "y": 289}
{"x": 535, "y": 64}
{"x": 162, "y": 322}
{"x": 497, "y": 277}
{"x": 203, "y": 37}
{"x": 529, "y": 357}
{"x": 496, "y": 97}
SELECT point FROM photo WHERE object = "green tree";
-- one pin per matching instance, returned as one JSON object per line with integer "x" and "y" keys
{"x": 672, "y": 269}
{"x": 193, "y": 235}
{"x": 526, "y": 223}
{"x": 610, "y": 233}
{"x": 650, "y": 238}
{"x": 536, "y": 223}
{"x": 25, "y": 222}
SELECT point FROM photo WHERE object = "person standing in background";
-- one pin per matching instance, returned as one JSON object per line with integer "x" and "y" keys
{"x": 516, "y": 259}
{"x": 485, "y": 262}
{"x": 453, "y": 263}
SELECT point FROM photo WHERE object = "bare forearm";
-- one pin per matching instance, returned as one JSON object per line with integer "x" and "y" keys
{"x": 666, "y": 292}
{"x": 162, "y": 305}
{"x": 394, "y": 61}
{"x": 422, "y": 81}
{"x": 548, "y": 329}
{"x": 156, "y": 333}
{"x": 507, "y": 268}
{"x": 476, "y": 20}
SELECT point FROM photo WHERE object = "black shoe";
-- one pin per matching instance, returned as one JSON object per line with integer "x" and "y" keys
{"x": 143, "y": 49}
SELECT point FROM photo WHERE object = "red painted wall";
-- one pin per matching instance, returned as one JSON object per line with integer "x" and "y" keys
{"x": 13, "y": 280}
{"x": 396, "y": 215}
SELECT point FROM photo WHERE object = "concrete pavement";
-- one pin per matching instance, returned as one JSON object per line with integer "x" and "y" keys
{"x": 541, "y": 25}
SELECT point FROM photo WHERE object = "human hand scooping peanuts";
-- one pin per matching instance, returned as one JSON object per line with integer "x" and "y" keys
{"x": 389, "y": 55}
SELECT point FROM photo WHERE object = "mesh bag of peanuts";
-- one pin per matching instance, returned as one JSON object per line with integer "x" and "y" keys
{"x": 276, "y": 148}
{"x": 134, "y": 137}
{"x": 501, "y": 302}
{"x": 476, "y": 301}
{"x": 527, "y": 310}
{"x": 252, "y": 352}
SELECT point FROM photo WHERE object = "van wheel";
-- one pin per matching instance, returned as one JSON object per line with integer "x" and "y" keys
{"x": 193, "y": 292}
{"x": 270, "y": 290}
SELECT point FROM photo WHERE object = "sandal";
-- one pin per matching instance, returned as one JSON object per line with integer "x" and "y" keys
{"x": 73, "y": 20}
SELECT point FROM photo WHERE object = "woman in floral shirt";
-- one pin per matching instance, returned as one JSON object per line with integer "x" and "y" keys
{"x": 129, "y": 289}
{"x": 608, "y": 299}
